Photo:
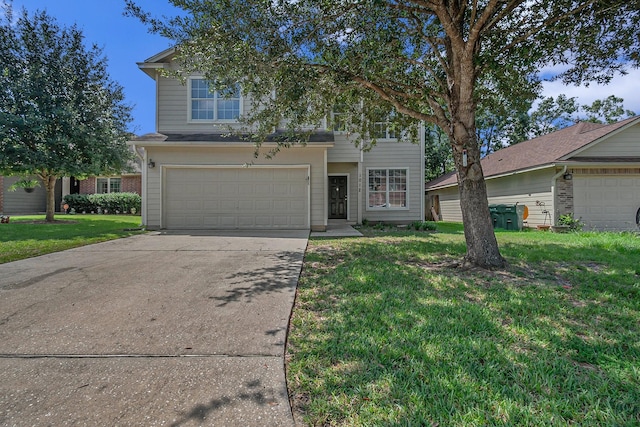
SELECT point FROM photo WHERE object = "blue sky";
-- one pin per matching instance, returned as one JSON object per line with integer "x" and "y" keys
{"x": 126, "y": 41}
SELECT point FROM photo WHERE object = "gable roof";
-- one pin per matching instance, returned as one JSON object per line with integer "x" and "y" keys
{"x": 541, "y": 151}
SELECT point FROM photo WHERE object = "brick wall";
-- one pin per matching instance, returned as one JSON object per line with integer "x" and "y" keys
{"x": 564, "y": 195}
{"x": 131, "y": 184}
{"x": 88, "y": 186}
{"x": 128, "y": 184}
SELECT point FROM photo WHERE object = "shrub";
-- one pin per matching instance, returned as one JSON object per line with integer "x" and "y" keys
{"x": 107, "y": 203}
{"x": 568, "y": 219}
{"x": 423, "y": 225}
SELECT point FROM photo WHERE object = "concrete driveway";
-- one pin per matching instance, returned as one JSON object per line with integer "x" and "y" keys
{"x": 170, "y": 329}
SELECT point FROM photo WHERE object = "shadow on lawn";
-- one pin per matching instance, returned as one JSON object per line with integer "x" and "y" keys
{"x": 397, "y": 340}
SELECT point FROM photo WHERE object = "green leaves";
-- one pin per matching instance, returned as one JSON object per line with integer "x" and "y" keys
{"x": 59, "y": 110}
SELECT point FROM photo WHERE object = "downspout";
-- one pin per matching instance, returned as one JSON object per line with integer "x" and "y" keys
{"x": 553, "y": 192}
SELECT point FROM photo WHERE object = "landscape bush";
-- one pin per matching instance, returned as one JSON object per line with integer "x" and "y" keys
{"x": 113, "y": 203}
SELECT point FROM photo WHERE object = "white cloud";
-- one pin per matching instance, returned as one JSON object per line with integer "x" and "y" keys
{"x": 626, "y": 87}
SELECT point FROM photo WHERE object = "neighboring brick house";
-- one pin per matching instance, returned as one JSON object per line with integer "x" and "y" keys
{"x": 131, "y": 183}
{"x": 123, "y": 183}
{"x": 590, "y": 170}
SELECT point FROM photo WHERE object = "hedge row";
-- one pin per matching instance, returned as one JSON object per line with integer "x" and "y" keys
{"x": 113, "y": 203}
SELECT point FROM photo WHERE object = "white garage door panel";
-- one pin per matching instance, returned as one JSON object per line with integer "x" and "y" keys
{"x": 236, "y": 198}
{"x": 607, "y": 203}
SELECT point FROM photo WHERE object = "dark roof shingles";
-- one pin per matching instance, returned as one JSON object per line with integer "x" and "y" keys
{"x": 539, "y": 151}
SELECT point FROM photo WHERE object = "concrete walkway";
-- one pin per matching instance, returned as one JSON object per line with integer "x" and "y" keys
{"x": 337, "y": 228}
{"x": 173, "y": 329}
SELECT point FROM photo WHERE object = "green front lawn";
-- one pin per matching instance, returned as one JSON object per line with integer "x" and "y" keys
{"x": 28, "y": 236}
{"x": 385, "y": 332}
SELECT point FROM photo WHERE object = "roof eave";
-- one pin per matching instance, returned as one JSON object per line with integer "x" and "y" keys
{"x": 239, "y": 144}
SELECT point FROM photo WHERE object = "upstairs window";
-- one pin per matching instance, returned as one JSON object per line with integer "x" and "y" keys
{"x": 108, "y": 185}
{"x": 219, "y": 105}
{"x": 381, "y": 130}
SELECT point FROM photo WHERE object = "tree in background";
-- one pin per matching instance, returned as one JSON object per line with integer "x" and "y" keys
{"x": 437, "y": 153}
{"x": 60, "y": 114}
{"x": 608, "y": 110}
{"x": 434, "y": 61}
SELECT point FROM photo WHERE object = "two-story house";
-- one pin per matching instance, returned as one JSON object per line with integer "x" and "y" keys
{"x": 197, "y": 176}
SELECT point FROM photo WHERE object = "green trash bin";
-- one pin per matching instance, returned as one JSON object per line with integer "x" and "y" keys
{"x": 497, "y": 216}
{"x": 513, "y": 216}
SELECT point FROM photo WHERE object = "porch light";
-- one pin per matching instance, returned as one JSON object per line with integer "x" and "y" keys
{"x": 151, "y": 164}
{"x": 567, "y": 176}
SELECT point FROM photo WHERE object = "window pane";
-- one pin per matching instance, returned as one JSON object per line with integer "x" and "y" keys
{"x": 379, "y": 130}
{"x": 202, "y": 110}
{"x": 102, "y": 185}
{"x": 397, "y": 188}
{"x": 114, "y": 185}
{"x": 397, "y": 199}
{"x": 228, "y": 109}
{"x": 200, "y": 89}
{"x": 377, "y": 188}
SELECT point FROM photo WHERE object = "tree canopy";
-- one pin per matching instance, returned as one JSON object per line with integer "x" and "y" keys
{"x": 435, "y": 61}
{"x": 60, "y": 114}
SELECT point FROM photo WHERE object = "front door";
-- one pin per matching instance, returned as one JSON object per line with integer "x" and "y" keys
{"x": 337, "y": 197}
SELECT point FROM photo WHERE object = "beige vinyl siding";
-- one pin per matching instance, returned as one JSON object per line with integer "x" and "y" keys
{"x": 395, "y": 155}
{"x": 21, "y": 202}
{"x": 449, "y": 204}
{"x": 312, "y": 156}
{"x": 351, "y": 170}
{"x": 173, "y": 110}
{"x": 344, "y": 149}
{"x": 523, "y": 189}
{"x": 623, "y": 144}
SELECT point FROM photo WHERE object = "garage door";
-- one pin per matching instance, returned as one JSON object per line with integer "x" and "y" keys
{"x": 219, "y": 198}
{"x": 607, "y": 203}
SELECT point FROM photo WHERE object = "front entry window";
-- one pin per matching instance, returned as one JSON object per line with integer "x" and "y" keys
{"x": 387, "y": 189}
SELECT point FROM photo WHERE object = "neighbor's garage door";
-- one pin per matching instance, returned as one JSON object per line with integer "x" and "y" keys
{"x": 222, "y": 197}
{"x": 607, "y": 203}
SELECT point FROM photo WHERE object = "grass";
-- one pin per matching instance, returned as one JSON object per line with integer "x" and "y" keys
{"x": 27, "y": 236}
{"x": 385, "y": 332}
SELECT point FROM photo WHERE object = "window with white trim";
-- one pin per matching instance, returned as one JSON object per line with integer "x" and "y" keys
{"x": 381, "y": 130}
{"x": 218, "y": 105}
{"x": 108, "y": 185}
{"x": 387, "y": 188}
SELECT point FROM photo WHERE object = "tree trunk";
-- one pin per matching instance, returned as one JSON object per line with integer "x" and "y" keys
{"x": 50, "y": 185}
{"x": 482, "y": 246}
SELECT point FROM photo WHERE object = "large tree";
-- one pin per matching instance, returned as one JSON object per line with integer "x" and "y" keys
{"x": 436, "y": 61}
{"x": 60, "y": 114}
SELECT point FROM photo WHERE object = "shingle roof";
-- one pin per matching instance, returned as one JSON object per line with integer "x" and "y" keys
{"x": 540, "y": 151}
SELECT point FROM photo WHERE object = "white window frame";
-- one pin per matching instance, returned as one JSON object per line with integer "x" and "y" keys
{"x": 388, "y": 133}
{"x": 215, "y": 105}
{"x": 387, "y": 206}
{"x": 108, "y": 178}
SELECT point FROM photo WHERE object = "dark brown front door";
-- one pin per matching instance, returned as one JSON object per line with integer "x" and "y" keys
{"x": 337, "y": 197}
